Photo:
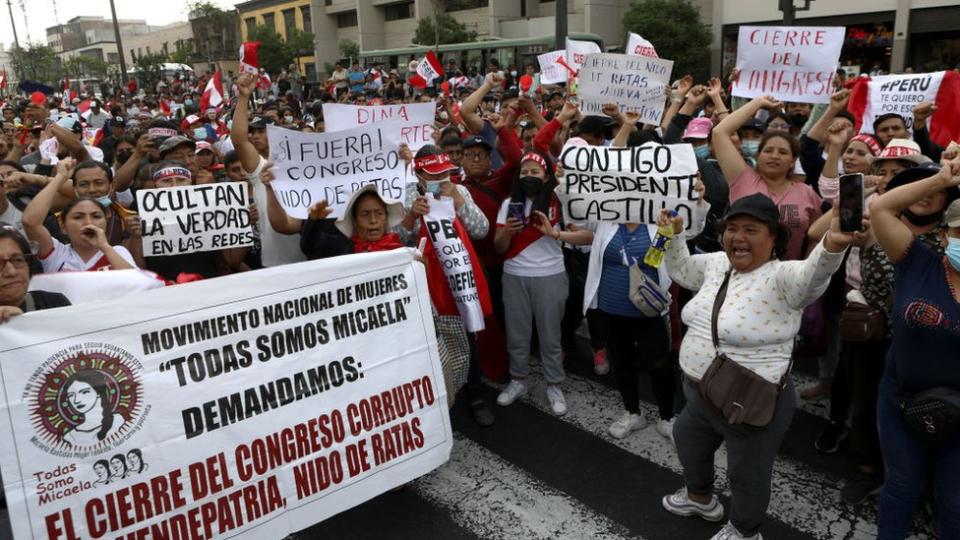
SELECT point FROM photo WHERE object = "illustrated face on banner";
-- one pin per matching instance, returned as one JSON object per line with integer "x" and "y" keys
{"x": 82, "y": 396}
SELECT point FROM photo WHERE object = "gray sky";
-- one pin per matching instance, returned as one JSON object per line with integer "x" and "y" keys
{"x": 40, "y": 14}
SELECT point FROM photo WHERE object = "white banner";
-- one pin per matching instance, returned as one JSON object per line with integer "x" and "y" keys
{"x": 636, "y": 83}
{"x": 248, "y": 406}
{"x": 83, "y": 287}
{"x": 414, "y": 121}
{"x": 899, "y": 94}
{"x": 638, "y": 46}
{"x": 457, "y": 266}
{"x": 791, "y": 63}
{"x": 188, "y": 219}
{"x": 629, "y": 184}
{"x": 577, "y": 52}
{"x": 312, "y": 167}
{"x": 551, "y": 72}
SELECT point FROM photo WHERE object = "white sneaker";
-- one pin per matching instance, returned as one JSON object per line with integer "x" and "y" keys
{"x": 729, "y": 532}
{"x": 680, "y": 504}
{"x": 557, "y": 402}
{"x": 665, "y": 428}
{"x": 510, "y": 394}
{"x": 626, "y": 424}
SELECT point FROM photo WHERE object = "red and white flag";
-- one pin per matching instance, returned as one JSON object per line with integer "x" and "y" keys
{"x": 264, "y": 81}
{"x": 3, "y": 77}
{"x": 213, "y": 93}
{"x": 427, "y": 70}
{"x": 249, "y": 60}
{"x": 873, "y": 97}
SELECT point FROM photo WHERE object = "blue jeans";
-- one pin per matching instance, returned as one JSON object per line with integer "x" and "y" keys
{"x": 907, "y": 464}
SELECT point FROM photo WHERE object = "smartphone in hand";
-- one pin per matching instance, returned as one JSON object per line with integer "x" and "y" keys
{"x": 516, "y": 211}
{"x": 851, "y": 202}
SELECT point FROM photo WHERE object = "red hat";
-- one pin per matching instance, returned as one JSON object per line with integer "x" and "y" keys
{"x": 434, "y": 164}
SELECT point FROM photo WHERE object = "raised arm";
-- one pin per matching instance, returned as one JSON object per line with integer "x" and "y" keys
{"x": 249, "y": 157}
{"x": 39, "y": 207}
{"x": 676, "y": 100}
{"x": 802, "y": 282}
{"x": 630, "y": 119}
{"x": 70, "y": 142}
{"x": 688, "y": 271}
{"x": 279, "y": 219}
{"x": 892, "y": 234}
{"x": 729, "y": 157}
{"x": 468, "y": 110}
{"x": 715, "y": 93}
{"x": 838, "y": 102}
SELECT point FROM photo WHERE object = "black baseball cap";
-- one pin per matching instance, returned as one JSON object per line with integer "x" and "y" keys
{"x": 260, "y": 122}
{"x": 476, "y": 140}
{"x": 926, "y": 170}
{"x": 594, "y": 125}
{"x": 119, "y": 121}
{"x": 754, "y": 124}
{"x": 757, "y": 206}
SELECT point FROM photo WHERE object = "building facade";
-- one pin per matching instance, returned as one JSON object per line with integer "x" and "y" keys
{"x": 283, "y": 16}
{"x": 92, "y": 37}
{"x": 889, "y": 35}
{"x": 216, "y": 40}
{"x": 161, "y": 39}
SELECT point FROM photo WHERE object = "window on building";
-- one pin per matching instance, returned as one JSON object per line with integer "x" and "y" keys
{"x": 305, "y": 15}
{"x": 458, "y": 5}
{"x": 113, "y": 58}
{"x": 347, "y": 19}
{"x": 396, "y": 12}
{"x": 289, "y": 21}
{"x": 148, "y": 49}
{"x": 328, "y": 2}
{"x": 270, "y": 21}
{"x": 251, "y": 24}
{"x": 133, "y": 55}
{"x": 166, "y": 48}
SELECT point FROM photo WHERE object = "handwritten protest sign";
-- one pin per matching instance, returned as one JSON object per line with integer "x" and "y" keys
{"x": 413, "y": 121}
{"x": 636, "y": 83}
{"x": 188, "y": 219}
{"x": 791, "y": 63}
{"x": 638, "y": 46}
{"x": 899, "y": 94}
{"x": 577, "y": 52}
{"x": 457, "y": 266}
{"x": 245, "y": 407}
{"x": 551, "y": 72}
{"x": 628, "y": 184}
{"x": 312, "y": 167}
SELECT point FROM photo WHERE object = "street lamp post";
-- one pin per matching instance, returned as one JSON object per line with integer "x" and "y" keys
{"x": 16, "y": 40}
{"x": 116, "y": 33}
{"x": 790, "y": 10}
{"x": 561, "y": 23}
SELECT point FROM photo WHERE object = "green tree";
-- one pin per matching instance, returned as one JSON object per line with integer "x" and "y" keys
{"x": 442, "y": 29}
{"x": 676, "y": 30}
{"x": 149, "y": 69}
{"x": 275, "y": 54}
{"x": 348, "y": 49}
{"x": 182, "y": 54}
{"x": 37, "y": 62}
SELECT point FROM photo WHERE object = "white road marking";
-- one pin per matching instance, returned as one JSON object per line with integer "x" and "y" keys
{"x": 492, "y": 498}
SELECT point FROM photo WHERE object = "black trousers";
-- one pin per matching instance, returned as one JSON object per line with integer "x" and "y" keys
{"x": 854, "y": 394}
{"x": 635, "y": 342}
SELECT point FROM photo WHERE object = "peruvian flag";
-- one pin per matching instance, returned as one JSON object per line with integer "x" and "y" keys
{"x": 68, "y": 94}
{"x": 213, "y": 93}
{"x": 93, "y": 136}
{"x": 3, "y": 77}
{"x": 427, "y": 70}
{"x": 84, "y": 106}
{"x": 264, "y": 81}
{"x": 164, "y": 107}
{"x": 249, "y": 61}
{"x": 876, "y": 96}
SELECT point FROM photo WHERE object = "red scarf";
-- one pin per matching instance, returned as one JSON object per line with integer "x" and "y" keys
{"x": 530, "y": 234}
{"x": 439, "y": 289}
{"x": 385, "y": 243}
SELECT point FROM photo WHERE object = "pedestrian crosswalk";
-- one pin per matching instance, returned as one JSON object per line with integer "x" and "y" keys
{"x": 533, "y": 475}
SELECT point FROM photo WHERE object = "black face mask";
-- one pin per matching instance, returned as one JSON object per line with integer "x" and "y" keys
{"x": 122, "y": 157}
{"x": 798, "y": 120}
{"x": 531, "y": 186}
{"x": 922, "y": 221}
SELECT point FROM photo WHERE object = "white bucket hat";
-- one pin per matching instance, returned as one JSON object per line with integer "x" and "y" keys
{"x": 395, "y": 210}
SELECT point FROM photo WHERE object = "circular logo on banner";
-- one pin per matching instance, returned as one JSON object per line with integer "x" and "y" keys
{"x": 86, "y": 400}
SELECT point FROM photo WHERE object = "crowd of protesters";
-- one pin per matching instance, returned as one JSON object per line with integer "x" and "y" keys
{"x": 767, "y": 281}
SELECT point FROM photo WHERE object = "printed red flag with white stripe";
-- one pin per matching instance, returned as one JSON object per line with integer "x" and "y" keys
{"x": 213, "y": 93}
{"x": 427, "y": 70}
{"x": 249, "y": 56}
{"x": 873, "y": 97}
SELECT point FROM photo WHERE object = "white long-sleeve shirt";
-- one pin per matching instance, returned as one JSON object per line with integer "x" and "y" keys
{"x": 761, "y": 314}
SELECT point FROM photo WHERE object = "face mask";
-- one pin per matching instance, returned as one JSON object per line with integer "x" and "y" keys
{"x": 188, "y": 102}
{"x": 953, "y": 253}
{"x": 702, "y": 151}
{"x": 434, "y": 187}
{"x": 798, "y": 120}
{"x": 104, "y": 201}
{"x": 749, "y": 148}
{"x": 200, "y": 133}
{"x": 513, "y": 73}
{"x": 922, "y": 221}
{"x": 122, "y": 157}
{"x": 531, "y": 186}
{"x": 288, "y": 119}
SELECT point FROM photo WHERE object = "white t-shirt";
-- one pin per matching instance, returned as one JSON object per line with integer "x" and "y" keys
{"x": 543, "y": 257}
{"x": 63, "y": 258}
{"x": 275, "y": 248}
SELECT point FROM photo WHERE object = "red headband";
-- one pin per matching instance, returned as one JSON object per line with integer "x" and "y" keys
{"x": 537, "y": 158}
{"x": 870, "y": 141}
